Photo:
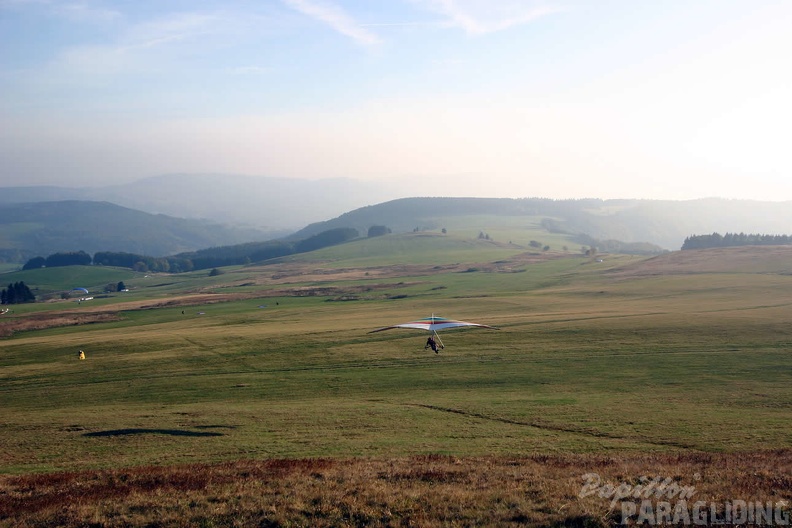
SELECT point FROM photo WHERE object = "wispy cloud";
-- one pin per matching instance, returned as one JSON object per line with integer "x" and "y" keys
{"x": 84, "y": 13}
{"x": 175, "y": 27}
{"x": 138, "y": 47}
{"x": 73, "y": 11}
{"x": 477, "y": 17}
{"x": 335, "y": 17}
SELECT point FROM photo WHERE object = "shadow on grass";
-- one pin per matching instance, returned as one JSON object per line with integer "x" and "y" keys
{"x": 169, "y": 432}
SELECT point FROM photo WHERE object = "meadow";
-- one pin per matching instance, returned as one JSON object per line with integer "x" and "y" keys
{"x": 267, "y": 375}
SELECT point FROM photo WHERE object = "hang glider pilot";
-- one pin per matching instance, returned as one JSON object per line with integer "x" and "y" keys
{"x": 431, "y": 343}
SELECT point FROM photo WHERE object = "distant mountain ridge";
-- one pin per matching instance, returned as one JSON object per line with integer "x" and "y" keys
{"x": 36, "y": 221}
{"x": 40, "y": 229}
{"x": 276, "y": 206}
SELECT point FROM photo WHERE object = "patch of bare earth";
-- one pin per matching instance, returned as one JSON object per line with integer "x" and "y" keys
{"x": 426, "y": 491}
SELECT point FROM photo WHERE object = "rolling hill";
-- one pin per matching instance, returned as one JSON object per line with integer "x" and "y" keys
{"x": 40, "y": 229}
{"x": 661, "y": 223}
{"x": 618, "y": 226}
{"x": 276, "y": 206}
{"x": 280, "y": 206}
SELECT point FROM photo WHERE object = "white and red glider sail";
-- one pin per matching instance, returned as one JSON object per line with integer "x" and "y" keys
{"x": 433, "y": 324}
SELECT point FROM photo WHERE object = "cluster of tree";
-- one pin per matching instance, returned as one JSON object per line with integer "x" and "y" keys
{"x": 140, "y": 262}
{"x": 241, "y": 254}
{"x": 17, "y": 293}
{"x": 198, "y": 260}
{"x": 70, "y": 258}
{"x": 378, "y": 230}
{"x": 118, "y": 287}
{"x": 617, "y": 246}
{"x": 331, "y": 237}
{"x": 108, "y": 258}
{"x": 537, "y": 245}
{"x": 735, "y": 239}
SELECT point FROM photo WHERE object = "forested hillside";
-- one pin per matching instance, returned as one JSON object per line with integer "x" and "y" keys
{"x": 39, "y": 229}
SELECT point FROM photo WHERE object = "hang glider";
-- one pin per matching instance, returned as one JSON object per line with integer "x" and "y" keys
{"x": 433, "y": 324}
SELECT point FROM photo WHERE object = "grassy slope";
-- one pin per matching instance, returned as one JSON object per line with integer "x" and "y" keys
{"x": 52, "y": 280}
{"x": 508, "y": 237}
{"x": 606, "y": 357}
{"x": 673, "y": 366}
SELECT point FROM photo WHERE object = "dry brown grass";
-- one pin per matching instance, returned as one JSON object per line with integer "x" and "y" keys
{"x": 41, "y": 321}
{"x": 313, "y": 271}
{"x": 430, "y": 490}
{"x": 743, "y": 259}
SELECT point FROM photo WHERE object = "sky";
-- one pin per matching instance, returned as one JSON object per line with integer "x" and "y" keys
{"x": 671, "y": 99}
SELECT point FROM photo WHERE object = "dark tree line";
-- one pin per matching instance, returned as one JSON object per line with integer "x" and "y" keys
{"x": 378, "y": 230}
{"x": 70, "y": 258}
{"x": 35, "y": 263}
{"x": 331, "y": 237}
{"x": 616, "y": 246}
{"x": 735, "y": 239}
{"x": 239, "y": 254}
{"x": 198, "y": 260}
{"x": 73, "y": 258}
{"x": 139, "y": 262}
{"x": 17, "y": 293}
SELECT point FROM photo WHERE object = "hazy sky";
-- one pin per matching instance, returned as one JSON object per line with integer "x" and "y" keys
{"x": 511, "y": 98}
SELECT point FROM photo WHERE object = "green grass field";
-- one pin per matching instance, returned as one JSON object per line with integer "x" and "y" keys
{"x": 260, "y": 397}
{"x": 590, "y": 358}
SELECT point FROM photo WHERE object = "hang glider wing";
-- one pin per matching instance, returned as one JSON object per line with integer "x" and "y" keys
{"x": 433, "y": 324}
